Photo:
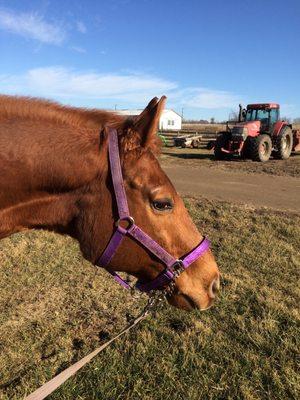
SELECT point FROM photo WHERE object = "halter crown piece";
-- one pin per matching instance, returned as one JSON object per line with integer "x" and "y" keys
{"x": 173, "y": 267}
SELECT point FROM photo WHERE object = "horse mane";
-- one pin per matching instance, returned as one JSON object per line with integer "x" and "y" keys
{"x": 40, "y": 110}
{"x": 37, "y": 109}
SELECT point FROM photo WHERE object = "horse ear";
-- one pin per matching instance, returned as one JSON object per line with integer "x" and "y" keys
{"x": 146, "y": 124}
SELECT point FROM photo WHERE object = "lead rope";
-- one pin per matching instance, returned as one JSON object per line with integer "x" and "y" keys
{"x": 50, "y": 386}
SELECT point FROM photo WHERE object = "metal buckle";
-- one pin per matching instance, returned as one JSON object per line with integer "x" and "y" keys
{"x": 178, "y": 268}
{"x": 128, "y": 219}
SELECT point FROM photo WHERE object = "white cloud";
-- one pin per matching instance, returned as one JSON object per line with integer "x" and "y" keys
{"x": 60, "y": 82}
{"x": 199, "y": 97}
{"x": 127, "y": 87}
{"x": 31, "y": 25}
{"x": 81, "y": 27}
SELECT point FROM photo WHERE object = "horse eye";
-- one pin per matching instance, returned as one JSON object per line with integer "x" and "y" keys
{"x": 162, "y": 205}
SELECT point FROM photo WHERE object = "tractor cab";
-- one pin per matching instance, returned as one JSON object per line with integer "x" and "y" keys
{"x": 267, "y": 114}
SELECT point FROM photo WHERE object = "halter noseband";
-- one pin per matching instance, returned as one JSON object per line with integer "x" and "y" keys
{"x": 174, "y": 267}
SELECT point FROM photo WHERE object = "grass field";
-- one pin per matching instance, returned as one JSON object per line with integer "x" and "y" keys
{"x": 55, "y": 308}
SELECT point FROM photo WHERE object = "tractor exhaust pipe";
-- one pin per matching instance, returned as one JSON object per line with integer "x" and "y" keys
{"x": 240, "y": 112}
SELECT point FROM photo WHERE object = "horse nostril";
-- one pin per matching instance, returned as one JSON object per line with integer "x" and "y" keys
{"x": 214, "y": 287}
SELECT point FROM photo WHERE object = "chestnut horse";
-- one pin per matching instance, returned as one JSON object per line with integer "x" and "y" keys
{"x": 55, "y": 175}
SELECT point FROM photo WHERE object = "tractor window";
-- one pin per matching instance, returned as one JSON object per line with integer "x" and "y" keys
{"x": 274, "y": 115}
{"x": 250, "y": 115}
{"x": 257, "y": 115}
{"x": 262, "y": 115}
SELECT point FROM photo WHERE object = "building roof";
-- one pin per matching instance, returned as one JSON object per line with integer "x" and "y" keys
{"x": 129, "y": 112}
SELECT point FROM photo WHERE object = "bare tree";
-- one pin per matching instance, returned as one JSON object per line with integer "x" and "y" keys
{"x": 287, "y": 119}
{"x": 233, "y": 116}
{"x": 195, "y": 121}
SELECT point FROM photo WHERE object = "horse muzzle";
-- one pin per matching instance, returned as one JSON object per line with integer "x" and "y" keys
{"x": 200, "y": 299}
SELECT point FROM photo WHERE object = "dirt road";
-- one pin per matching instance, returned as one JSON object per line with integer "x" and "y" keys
{"x": 196, "y": 158}
{"x": 260, "y": 190}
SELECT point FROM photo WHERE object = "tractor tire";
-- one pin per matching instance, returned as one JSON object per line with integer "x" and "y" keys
{"x": 284, "y": 144}
{"x": 220, "y": 142}
{"x": 246, "y": 150}
{"x": 261, "y": 148}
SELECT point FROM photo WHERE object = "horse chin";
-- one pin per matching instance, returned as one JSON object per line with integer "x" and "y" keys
{"x": 185, "y": 302}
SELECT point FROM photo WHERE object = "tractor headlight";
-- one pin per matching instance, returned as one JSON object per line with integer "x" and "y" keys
{"x": 239, "y": 132}
{"x": 245, "y": 133}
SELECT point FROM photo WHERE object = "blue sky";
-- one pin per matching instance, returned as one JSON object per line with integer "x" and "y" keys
{"x": 206, "y": 56}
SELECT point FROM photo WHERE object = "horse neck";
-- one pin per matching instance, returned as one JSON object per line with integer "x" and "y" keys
{"x": 50, "y": 169}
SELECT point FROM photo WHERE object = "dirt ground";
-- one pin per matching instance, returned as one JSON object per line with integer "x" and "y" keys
{"x": 275, "y": 184}
{"x": 199, "y": 157}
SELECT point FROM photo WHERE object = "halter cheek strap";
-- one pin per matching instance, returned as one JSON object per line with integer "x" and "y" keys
{"x": 174, "y": 267}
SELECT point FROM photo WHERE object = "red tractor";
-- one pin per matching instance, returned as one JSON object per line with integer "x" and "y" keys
{"x": 257, "y": 134}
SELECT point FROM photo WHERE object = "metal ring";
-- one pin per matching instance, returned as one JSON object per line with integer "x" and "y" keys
{"x": 178, "y": 268}
{"x": 178, "y": 264}
{"x": 128, "y": 219}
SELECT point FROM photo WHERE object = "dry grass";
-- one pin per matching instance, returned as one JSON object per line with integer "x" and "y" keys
{"x": 55, "y": 307}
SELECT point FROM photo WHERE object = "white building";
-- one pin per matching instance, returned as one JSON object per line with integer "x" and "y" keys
{"x": 169, "y": 119}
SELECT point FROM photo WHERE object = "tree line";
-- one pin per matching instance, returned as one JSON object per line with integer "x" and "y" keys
{"x": 233, "y": 116}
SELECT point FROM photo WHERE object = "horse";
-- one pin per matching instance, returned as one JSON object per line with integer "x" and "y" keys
{"x": 55, "y": 175}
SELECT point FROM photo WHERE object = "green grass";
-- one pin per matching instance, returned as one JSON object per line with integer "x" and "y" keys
{"x": 55, "y": 307}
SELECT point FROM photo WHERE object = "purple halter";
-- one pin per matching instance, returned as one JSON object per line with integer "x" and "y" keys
{"x": 174, "y": 267}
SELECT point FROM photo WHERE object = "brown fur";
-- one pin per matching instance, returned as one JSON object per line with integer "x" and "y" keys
{"x": 55, "y": 175}
{"x": 45, "y": 110}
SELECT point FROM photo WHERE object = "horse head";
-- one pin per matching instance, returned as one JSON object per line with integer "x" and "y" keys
{"x": 157, "y": 209}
